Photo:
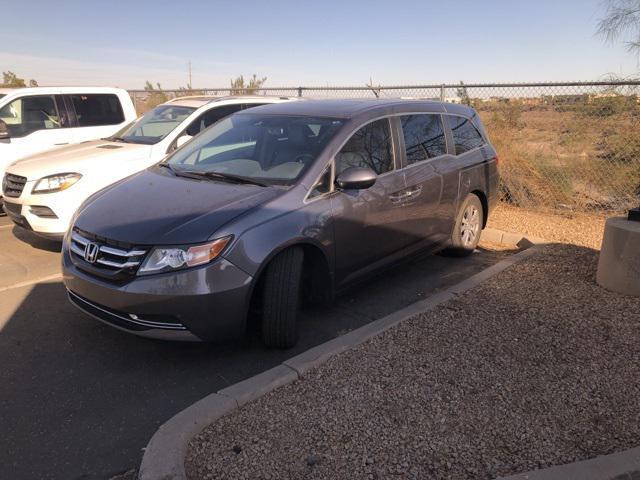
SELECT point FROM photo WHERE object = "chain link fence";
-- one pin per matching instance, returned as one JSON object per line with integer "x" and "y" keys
{"x": 562, "y": 146}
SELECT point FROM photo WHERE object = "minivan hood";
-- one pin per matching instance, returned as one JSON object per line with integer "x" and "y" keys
{"x": 154, "y": 207}
{"x": 80, "y": 158}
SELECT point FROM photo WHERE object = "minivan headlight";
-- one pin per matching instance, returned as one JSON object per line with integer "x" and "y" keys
{"x": 56, "y": 183}
{"x": 164, "y": 259}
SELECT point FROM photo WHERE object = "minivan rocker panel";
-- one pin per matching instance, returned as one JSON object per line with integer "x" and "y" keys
{"x": 423, "y": 175}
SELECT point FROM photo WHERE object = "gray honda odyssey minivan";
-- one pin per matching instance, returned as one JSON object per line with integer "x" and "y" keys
{"x": 276, "y": 205}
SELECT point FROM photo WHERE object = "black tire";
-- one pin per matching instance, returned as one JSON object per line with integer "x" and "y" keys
{"x": 281, "y": 299}
{"x": 466, "y": 232}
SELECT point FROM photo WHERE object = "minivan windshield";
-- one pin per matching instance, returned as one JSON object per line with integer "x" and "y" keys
{"x": 269, "y": 149}
{"x": 154, "y": 125}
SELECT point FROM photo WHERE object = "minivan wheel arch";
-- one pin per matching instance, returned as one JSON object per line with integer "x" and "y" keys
{"x": 485, "y": 206}
{"x": 317, "y": 274}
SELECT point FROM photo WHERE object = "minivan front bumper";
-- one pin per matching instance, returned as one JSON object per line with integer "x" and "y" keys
{"x": 207, "y": 303}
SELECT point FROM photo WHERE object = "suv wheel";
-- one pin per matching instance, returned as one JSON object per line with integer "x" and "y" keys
{"x": 281, "y": 299}
{"x": 467, "y": 229}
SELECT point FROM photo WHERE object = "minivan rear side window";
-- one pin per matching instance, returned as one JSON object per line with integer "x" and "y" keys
{"x": 465, "y": 135}
{"x": 369, "y": 147}
{"x": 93, "y": 110}
{"x": 423, "y": 137}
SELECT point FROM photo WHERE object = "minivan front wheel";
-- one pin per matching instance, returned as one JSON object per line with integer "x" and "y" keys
{"x": 281, "y": 299}
{"x": 468, "y": 227}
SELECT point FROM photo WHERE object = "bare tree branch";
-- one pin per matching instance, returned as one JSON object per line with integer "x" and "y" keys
{"x": 622, "y": 21}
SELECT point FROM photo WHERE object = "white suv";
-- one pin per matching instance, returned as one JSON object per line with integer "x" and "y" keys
{"x": 33, "y": 120}
{"x": 42, "y": 192}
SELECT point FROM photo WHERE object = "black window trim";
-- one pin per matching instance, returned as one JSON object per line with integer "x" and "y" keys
{"x": 332, "y": 185}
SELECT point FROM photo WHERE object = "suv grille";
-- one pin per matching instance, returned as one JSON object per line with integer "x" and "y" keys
{"x": 12, "y": 185}
{"x": 104, "y": 258}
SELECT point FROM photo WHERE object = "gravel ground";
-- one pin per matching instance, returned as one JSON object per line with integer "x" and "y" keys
{"x": 575, "y": 228}
{"x": 510, "y": 377}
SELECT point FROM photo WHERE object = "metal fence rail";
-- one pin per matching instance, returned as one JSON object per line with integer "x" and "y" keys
{"x": 562, "y": 146}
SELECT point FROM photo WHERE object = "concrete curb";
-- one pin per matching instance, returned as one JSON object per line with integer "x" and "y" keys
{"x": 510, "y": 239}
{"x": 164, "y": 456}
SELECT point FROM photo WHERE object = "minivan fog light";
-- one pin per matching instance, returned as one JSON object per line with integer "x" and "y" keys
{"x": 164, "y": 259}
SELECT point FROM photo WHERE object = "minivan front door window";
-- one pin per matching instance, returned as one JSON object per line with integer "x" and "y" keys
{"x": 29, "y": 114}
{"x": 369, "y": 147}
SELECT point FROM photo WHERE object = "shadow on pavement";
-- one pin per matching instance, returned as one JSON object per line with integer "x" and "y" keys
{"x": 35, "y": 241}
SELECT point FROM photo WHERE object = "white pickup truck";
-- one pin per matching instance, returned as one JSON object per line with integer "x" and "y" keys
{"x": 33, "y": 120}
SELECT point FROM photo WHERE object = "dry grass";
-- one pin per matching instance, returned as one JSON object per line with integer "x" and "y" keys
{"x": 577, "y": 158}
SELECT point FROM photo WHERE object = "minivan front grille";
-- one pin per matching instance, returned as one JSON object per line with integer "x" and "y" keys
{"x": 13, "y": 185}
{"x": 104, "y": 258}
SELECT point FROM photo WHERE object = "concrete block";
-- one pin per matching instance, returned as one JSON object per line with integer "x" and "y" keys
{"x": 619, "y": 263}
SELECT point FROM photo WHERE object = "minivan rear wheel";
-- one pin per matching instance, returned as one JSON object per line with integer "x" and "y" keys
{"x": 281, "y": 299}
{"x": 468, "y": 227}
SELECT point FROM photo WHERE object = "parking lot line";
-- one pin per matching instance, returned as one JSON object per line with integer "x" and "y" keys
{"x": 5, "y": 226}
{"x": 56, "y": 276}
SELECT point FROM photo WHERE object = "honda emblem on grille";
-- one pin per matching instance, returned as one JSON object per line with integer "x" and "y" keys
{"x": 91, "y": 252}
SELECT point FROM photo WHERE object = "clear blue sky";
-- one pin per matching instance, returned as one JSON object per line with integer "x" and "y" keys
{"x": 314, "y": 43}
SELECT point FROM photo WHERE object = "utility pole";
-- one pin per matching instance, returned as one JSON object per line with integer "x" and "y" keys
{"x": 190, "y": 84}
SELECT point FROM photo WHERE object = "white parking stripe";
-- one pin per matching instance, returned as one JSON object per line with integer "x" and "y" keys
{"x": 31, "y": 282}
{"x": 5, "y": 226}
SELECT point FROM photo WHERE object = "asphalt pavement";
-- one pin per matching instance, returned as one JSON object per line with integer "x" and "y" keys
{"x": 80, "y": 400}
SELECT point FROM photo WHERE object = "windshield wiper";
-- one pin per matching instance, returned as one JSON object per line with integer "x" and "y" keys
{"x": 118, "y": 139}
{"x": 222, "y": 176}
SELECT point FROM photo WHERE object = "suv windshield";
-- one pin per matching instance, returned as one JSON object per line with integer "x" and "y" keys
{"x": 271, "y": 149}
{"x": 154, "y": 125}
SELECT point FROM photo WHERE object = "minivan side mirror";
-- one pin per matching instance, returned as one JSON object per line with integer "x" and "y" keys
{"x": 4, "y": 130}
{"x": 356, "y": 178}
{"x": 182, "y": 140}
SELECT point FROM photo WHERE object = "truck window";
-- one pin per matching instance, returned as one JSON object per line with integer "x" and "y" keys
{"x": 93, "y": 110}
{"x": 28, "y": 114}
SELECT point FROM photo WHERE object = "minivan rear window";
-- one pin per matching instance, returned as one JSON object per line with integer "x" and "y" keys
{"x": 465, "y": 135}
{"x": 94, "y": 110}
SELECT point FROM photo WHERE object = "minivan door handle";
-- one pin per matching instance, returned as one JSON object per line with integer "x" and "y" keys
{"x": 398, "y": 197}
{"x": 65, "y": 143}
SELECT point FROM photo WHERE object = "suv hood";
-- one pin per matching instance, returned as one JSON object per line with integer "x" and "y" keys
{"x": 87, "y": 157}
{"x": 154, "y": 207}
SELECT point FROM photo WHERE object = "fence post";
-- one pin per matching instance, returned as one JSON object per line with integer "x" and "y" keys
{"x": 299, "y": 91}
{"x": 442, "y": 93}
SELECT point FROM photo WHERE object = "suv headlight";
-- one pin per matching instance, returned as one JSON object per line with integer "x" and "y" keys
{"x": 56, "y": 183}
{"x": 165, "y": 259}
